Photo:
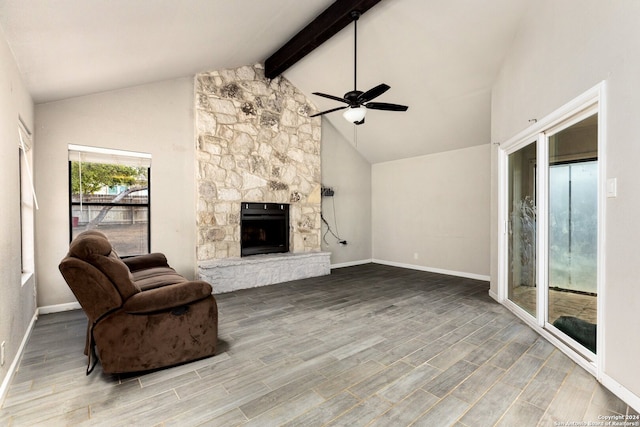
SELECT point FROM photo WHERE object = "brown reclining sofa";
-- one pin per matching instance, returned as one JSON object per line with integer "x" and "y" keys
{"x": 142, "y": 314}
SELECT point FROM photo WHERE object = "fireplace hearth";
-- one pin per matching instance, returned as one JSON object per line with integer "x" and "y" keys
{"x": 264, "y": 228}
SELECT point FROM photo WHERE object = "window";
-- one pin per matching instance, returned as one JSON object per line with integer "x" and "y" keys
{"x": 28, "y": 202}
{"x": 109, "y": 192}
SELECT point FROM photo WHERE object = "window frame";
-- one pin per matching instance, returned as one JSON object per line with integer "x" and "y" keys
{"x": 113, "y": 154}
{"x": 28, "y": 202}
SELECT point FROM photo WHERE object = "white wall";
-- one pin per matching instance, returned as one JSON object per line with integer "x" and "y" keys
{"x": 563, "y": 49}
{"x": 432, "y": 212}
{"x": 349, "y": 174}
{"x": 17, "y": 301}
{"x": 155, "y": 118}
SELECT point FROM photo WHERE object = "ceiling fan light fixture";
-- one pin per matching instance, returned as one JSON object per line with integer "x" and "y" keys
{"x": 356, "y": 100}
{"x": 354, "y": 114}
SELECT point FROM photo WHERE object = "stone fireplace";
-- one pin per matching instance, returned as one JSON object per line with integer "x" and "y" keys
{"x": 255, "y": 144}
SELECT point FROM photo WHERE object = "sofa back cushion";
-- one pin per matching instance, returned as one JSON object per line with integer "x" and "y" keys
{"x": 93, "y": 247}
{"x": 93, "y": 290}
{"x": 88, "y": 243}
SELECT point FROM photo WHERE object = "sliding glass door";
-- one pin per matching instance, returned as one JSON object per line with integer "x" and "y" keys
{"x": 549, "y": 191}
{"x": 572, "y": 242}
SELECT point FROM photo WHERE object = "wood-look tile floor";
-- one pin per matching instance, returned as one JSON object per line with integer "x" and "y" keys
{"x": 368, "y": 345}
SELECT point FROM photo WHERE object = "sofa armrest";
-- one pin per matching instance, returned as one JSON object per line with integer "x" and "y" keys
{"x": 143, "y": 262}
{"x": 167, "y": 297}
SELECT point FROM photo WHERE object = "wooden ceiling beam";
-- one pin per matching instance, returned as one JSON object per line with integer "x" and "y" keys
{"x": 322, "y": 28}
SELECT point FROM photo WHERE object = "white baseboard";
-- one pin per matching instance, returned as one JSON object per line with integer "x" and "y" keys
{"x": 622, "y": 392}
{"x": 57, "y": 308}
{"x": 351, "y": 263}
{"x": 433, "y": 270}
{"x": 494, "y": 295}
{"x": 14, "y": 365}
{"x": 16, "y": 360}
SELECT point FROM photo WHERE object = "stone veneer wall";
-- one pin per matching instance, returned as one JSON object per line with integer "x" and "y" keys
{"x": 255, "y": 143}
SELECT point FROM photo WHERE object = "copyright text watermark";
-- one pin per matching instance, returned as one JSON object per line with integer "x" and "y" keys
{"x": 604, "y": 421}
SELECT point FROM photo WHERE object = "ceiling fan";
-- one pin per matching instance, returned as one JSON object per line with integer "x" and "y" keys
{"x": 357, "y": 101}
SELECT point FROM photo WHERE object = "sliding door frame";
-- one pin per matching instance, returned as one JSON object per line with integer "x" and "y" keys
{"x": 589, "y": 103}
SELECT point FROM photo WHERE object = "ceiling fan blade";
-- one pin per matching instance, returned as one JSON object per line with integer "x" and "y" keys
{"x": 385, "y": 106}
{"x": 335, "y": 98}
{"x": 328, "y": 111}
{"x": 373, "y": 93}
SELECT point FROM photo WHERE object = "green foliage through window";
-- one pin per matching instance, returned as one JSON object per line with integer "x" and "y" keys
{"x": 95, "y": 176}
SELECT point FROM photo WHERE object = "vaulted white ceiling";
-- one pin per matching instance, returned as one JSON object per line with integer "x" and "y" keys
{"x": 440, "y": 57}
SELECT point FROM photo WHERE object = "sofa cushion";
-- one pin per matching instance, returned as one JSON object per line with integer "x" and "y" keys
{"x": 167, "y": 297}
{"x": 142, "y": 262}
{"x": 89, "y": 243}
{"x": 95, "y": 293}
{"x": 156, "y": 277}
{"x": 117, "y": 272}
{"x": 93, "y": 247}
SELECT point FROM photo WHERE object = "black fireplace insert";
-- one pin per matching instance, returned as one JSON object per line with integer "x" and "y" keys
{"x": 264, "y": 228}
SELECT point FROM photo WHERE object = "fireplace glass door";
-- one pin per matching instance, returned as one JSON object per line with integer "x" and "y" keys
{"x": 264, "y": 228}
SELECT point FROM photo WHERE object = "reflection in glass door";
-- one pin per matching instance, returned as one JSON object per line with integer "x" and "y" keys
{"x": 522, "y": 228}
{"x": 573, "y": 209}
{"x": 573, "y": 234}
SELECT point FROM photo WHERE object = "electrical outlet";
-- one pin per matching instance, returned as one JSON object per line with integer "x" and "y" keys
{"x": 415, "y": 255}
{"x": 2, "y": 353}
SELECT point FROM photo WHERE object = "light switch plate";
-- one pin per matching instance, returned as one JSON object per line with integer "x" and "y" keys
{"x": 612, "y": 187}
